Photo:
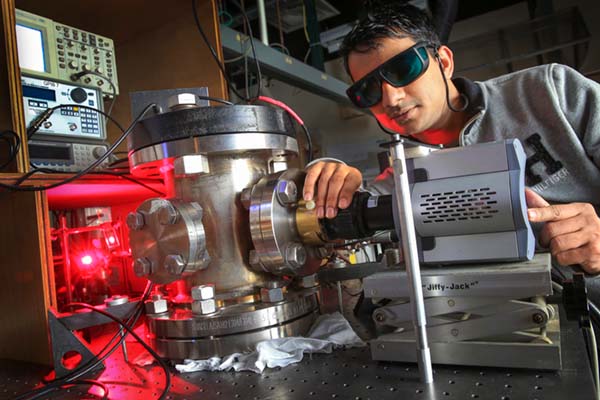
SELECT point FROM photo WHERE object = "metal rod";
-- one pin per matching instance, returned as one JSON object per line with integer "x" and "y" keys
{"x": 123, "y": 345}
{"x": 411, "y": 258}
{"x": 262, "y": 22}
{"x": 64, "y": 233}
{"x": 340, "y": 297}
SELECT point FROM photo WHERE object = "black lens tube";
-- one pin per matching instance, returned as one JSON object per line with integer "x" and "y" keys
{"x": 366, "y": 215}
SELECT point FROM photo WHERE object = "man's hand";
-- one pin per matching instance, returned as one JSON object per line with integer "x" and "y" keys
{"x": 572, "y": 231}
{"x": 335, "y": 186}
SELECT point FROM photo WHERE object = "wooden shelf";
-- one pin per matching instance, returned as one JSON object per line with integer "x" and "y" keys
{"x": 157, "y": 47}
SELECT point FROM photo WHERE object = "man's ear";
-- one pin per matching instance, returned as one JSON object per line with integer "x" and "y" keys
{"x": 444, "y": 56}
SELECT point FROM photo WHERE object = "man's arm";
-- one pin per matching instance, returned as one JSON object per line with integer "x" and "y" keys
{"x": 579, "y": 100}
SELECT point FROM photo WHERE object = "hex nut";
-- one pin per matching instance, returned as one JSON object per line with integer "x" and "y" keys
{"x": 203, "y": 292}
{"x": 295, "y": 255}
{"x": 204, "y": 307}
{"x": 135, "y": 220}
{"x": 174, "y": 264}
{"x": 287, "y": 192}
{"x": 308, "y": 281}
{"x": 142, "y": 267}
{"x": 168, "y": 214}
{"x": 271, "y": 295}
{"x": 182, "y": 100}
{"x": 156, "y": 306}
{"x": 193, "y": 164}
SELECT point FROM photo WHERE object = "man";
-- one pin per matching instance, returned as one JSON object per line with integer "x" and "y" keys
{"x": 403, "y": 74}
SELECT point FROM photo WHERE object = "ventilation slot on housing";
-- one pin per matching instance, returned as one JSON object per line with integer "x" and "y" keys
{"x": 461, "y": 205}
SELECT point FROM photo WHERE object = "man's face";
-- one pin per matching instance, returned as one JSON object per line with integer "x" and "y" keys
{"x": 411, "y": 109}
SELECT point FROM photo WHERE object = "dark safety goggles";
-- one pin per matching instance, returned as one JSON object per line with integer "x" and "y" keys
{"x": 398, "y": 71}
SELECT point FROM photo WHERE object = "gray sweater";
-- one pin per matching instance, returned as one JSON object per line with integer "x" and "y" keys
{"x": 555, "y": 112}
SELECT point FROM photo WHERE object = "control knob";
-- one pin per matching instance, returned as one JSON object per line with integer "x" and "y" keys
{"x": 98, "y": 151}
{"x": 78, "y": 95}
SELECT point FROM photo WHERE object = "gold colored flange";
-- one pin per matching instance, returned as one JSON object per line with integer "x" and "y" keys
{"x": 308, "y": 225}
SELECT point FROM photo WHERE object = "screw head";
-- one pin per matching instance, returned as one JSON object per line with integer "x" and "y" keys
{"x": 135, "y": 220}
{"x": 174, "y": 264}
{"x": 538, "y": 318}
{"x": 142, "y": 267}
{"x": 167, "y": 214}
{"x": 287, "y": 192}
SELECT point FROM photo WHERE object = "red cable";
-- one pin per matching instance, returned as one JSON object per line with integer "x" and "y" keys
{"x": 283, "y": 106}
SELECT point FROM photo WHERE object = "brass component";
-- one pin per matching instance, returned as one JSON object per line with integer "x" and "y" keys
{"x": 308, "y": 225}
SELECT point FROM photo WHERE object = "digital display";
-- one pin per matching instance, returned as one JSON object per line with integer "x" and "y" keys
{"x": 49, "y": 152}
{"x": 35, "y": 92}
{"x": 30, "y": 47}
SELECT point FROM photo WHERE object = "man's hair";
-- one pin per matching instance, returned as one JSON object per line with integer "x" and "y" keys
{"x": 388, "y": 21}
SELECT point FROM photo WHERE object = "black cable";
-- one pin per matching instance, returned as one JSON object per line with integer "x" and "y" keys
{"x": 256, "y": 63}
{"x": 90, "y": 167}
{"x": 462, "y": 96}
{"x": 13, "y": 148}
{"x": 212, "y": 51}
{"x": 216, "y": 57}
{"x": 309, "y": 144}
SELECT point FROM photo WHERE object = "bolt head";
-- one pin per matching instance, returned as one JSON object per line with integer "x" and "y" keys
{"x": 158, "y": 306}
{"x": 203, "y": 292}
{"x": 204, "y": 307}
{"x": 135, "y": 221}
{"x": 295, "y": 255}
{"x": 142, "y": 267}
{"x": 271, "y": 295}
{"x": 168, "y": 214}
{"x": 287, "y": 192}
{"x": 174, "y": 264}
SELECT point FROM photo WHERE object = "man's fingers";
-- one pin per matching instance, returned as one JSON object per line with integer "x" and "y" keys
{"x": 351, "y": 185}
{"x": 333, "y": 191}
{"x": 311, "y": 178}
{"x": 572, "y": 257}
{"x": 322, "y": 185}
{"x": 568, "y": 241}
{"x": 554, "y": 212}
{"x": 534, "y": 200}
{"x": 557, "y": 228}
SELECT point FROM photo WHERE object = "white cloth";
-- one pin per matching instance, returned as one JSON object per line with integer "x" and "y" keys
{"x": 328, "y": 332}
